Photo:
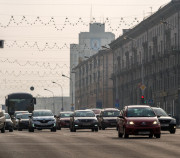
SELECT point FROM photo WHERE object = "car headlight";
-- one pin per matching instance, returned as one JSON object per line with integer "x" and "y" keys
{"x": 130, "y": 123}
{"x": 173, "y": 121}
{"x": 156, "y": 123}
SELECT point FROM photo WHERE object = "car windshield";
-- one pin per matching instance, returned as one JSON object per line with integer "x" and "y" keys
{"x": 160, "y": 112}
{"x": 7, "y": 116}
{"x": 111, "y": 113}
{"x": 18, "y": 116}
{"x": 140, "y": 112}
{"x": 25, "y": 116}
{"x": 42, "y": 113}
{"x": 64, "y": 115}
{"x": 19, "y": 112}
{"x": 84, "y": 114}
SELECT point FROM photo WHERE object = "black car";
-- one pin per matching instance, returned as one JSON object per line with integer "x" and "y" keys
{"x": 9, "y": 123}
{"x": 167, "y": 122}
{"x": 108, "y": 118}
{"x": 23, "y": 122}
{"x": 63, "y": 119}
{"x": 42, "y": 119}
{"x": 83, "y": 119}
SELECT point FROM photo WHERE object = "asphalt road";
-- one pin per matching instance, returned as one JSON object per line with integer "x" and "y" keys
{"x": 86, "y": 144}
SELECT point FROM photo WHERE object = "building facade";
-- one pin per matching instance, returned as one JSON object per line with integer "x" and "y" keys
{"x": 89, "y": 44}
{"x": 93, "y": 83}
{"x": 147, "y": 61}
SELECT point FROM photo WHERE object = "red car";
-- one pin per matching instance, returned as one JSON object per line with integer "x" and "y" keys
{"x": 63, "y": 119}
{"x": 138, "y": 120}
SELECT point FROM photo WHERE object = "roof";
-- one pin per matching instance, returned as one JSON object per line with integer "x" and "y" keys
{"x": 65, "y": 112}
{"x": 110, "y": 109}
{"x": 133, "y": 106}
{"x": 42, "y": 110}
{"x": 83, "y": 110}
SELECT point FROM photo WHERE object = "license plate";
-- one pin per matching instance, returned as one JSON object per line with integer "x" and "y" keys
{"x": 144, "y": 132}
{"x": 164, "y": 125}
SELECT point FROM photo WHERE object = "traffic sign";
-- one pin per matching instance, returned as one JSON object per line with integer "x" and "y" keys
{"x": 143, "y": 87}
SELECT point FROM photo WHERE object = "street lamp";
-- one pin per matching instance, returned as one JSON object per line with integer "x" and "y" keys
{"x": 72, "y": 87}
{"x": 53, "y": 98}
{"x": 62, "y": 94}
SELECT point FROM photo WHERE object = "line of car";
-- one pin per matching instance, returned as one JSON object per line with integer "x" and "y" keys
{"x": 131, "y": 120}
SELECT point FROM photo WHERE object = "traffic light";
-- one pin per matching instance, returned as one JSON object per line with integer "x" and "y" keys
{"x": 142, "y": 99}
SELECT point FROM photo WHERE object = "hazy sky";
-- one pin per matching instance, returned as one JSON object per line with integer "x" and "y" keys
{"x": 38, "y": 33}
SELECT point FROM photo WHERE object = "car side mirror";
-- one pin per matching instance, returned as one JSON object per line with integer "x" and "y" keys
{"x": 19, "y": 118}
{"x": 30, "y": 116}
{"x": 158, "y": 116}
{"x": 55, "y": 116}
{"x": 169, "y": 115}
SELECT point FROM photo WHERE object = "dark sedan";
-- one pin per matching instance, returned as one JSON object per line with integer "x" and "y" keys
{"x": 23, "y": 122}
{"x": 63, "y": 119}
{"x": 167, "y": 122}
{"x": 83, "y": 119}
{"x": 108, "y": 118}
{"x": 9, "y": 123}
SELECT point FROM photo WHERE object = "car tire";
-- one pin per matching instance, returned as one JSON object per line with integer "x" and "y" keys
{"x": 151, "y": 135}
{"x": 53, "y": 129}
{"x": 19, "y": 129}
{"x": 158, "y": 135}
{"x": 103, "y": 128}
{"x": 59, "y": 128}
{"x": 99, "y": 127}
{"x": 92, "y": 129}
{"x": 3, "y": 129}
{"x": 125, "y": 134}
{"x": 120, "y": 135}
{"x": 31, "y": 129}
{"x": 74, "y": 129}
{"x": 173, "y": 131}
{"x": 96, "y": 129}
{"x": 10, "y": 130}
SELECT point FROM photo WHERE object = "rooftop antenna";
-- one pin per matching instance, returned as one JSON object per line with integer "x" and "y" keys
{"x": 151, "y": 10}
{"x": 91, "y": 14}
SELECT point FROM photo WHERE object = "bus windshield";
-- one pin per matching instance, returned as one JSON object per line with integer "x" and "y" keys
{"x": 19, "y": 104}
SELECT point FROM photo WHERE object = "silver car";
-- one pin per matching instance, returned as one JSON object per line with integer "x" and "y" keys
{"x": 42, "y": 119}
{"x": 83, "y": 119}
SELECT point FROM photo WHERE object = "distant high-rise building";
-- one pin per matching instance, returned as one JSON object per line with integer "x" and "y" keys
{"x": 89, "y": 44}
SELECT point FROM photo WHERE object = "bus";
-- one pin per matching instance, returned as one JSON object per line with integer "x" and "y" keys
{"x": 19, "y": 102}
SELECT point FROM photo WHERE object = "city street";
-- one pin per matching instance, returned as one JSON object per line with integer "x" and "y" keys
{"x": 86, "y": 144}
